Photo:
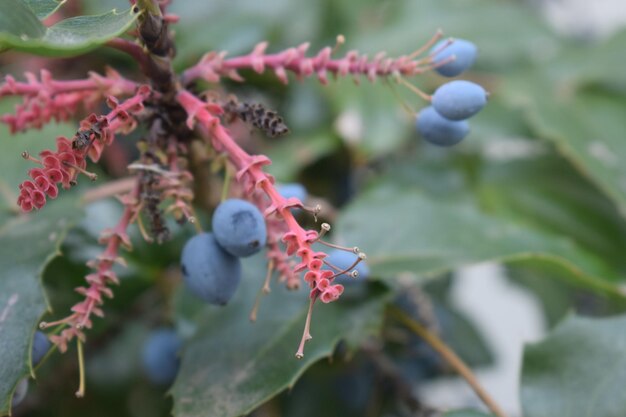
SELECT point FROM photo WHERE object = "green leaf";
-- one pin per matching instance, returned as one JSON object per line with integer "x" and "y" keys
{"x": 44, "y": 8}
{"x": 76, "y": 35}
{"x": 578, "y": 371}
{"x": 232, "y": 365}
{"x": 405, "y": 232}
{"x": 545, "y": 192}
{"x": 370, "y": 116}
{"x": 586, "y": 126}
{"x": 18, "y": 21}
{"x": 29, "y": 242}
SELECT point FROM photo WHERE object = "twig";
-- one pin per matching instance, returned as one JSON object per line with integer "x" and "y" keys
{"x": 449, "y": 356}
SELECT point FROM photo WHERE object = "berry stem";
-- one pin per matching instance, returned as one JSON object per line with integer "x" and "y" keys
{"x": 81, "y": 369}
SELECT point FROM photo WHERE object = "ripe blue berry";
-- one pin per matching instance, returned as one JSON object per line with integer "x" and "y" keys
{"x": 464, "y": 53}
{"x": 210, "y": 272}
{"x": 20, "y": 392}
{"x": 438, "y": 130}
{"x": 344, "y": 260}
{"x": 41, "y": 345}
{"x": 160, "y": 356}
{"x": 292, "y": 190}
{"x": 459, "y": 99}
{"x": 239, "y": 227}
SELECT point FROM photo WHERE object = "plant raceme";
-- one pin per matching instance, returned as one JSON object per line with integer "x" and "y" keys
{"x": 178, "y": 113}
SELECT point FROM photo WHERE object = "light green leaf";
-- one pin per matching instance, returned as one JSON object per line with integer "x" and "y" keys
{"x": 18, "y": 21}
{"x": 232, "y": 365}
{"x": 44, "y": 8}
{"x": 29, "y": 243}
{"x": 578, "y": 371}
{"x": 71, "y": 36}
{"x": 405, "y": 232}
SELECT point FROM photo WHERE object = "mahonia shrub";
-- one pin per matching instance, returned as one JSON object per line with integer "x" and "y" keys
{"x": 189, "y": 115}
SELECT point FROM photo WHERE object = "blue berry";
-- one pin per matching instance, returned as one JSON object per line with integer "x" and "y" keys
{"x": 239, "y": 227}
{"x": 292, "y": 190}
{"x": 438, "y": 130}
{"x": 160, "y": 356}
{"x": 41, "y": 345}
{"x": 210, "y": 272}
{"x": 459, "y": 99}
{"x": 344, "y": 260}
{"x": 20, "y": 392}
{"x": 464, "y": 53}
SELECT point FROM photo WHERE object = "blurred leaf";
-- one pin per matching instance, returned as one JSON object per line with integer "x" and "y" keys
{"x": 586, "y": 126}
{"x": 593, "y": 63}
{"x": 232, "y": 365}
{"x": 412, "y": 23}
{"x": 237, "y": 25}
{"x": 577, "y": 371}
{"x": 546, "y": 193}
{"x": 463, "y": 337}
{"x": 555, "y": 296}
{"x": 20, "y": 29}
{"x": 18, "y": 21}
{"x": 405, "y": 232}
{"x": 28, "y": 243}
{"x": 369, "y": 116}
{"x": 291, "y": 155}
{"x": 44, "y": 8}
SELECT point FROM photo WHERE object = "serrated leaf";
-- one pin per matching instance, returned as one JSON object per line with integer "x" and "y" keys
{"x": 68, "y": 37}
{"x": 44, "y": 8}
{"x": 577, "y": 371}
{"x": 405, "y": 232}
{"x": 232, "y": 365}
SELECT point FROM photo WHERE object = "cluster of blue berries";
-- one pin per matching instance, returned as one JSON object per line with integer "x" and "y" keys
{"x": 444, "y": 123}
{"x": 210, "y": 261}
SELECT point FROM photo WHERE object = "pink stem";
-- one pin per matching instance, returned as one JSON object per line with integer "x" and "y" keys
{"x": 213, "y": 66}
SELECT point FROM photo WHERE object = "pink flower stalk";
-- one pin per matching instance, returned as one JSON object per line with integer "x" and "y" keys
{"x": 69, "y": 160}
{"x": 101, "y": 278}
{"x": 47, "y": 99}
{"x": 250, "y": 174}
{"x": 214, "y": 66}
